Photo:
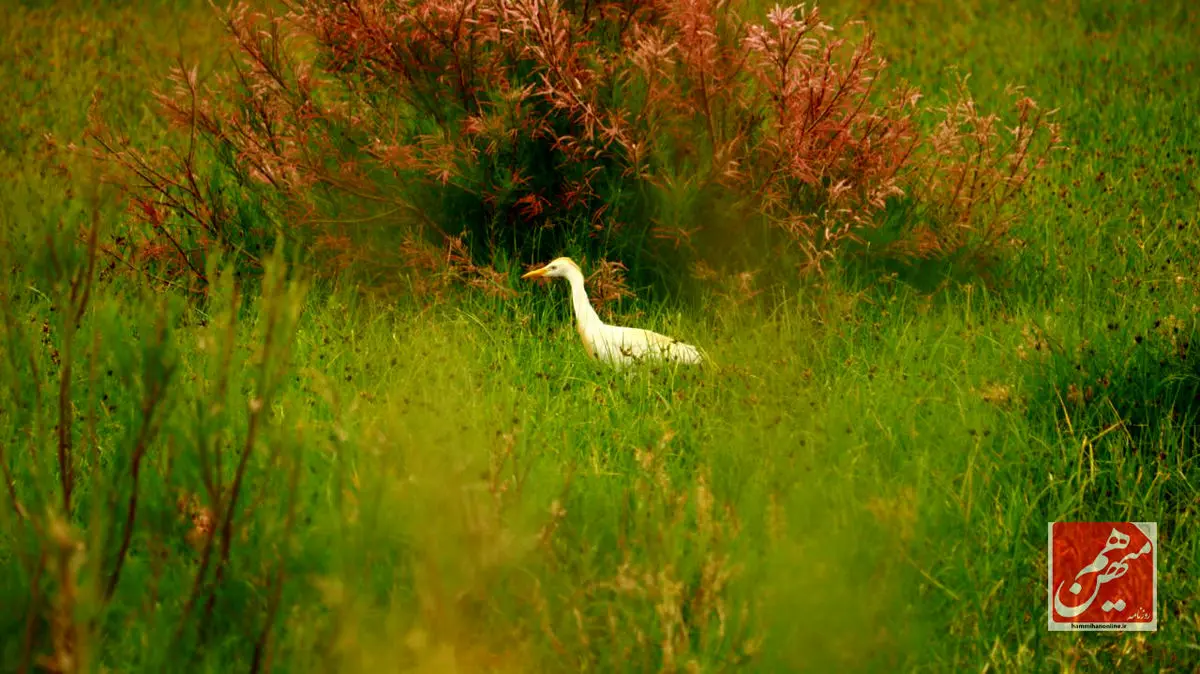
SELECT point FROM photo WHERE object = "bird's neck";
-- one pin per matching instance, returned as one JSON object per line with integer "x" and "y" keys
{"x": 584, "y": 313}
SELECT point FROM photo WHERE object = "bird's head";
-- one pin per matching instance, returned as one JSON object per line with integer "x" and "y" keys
{"x": 557, "y": 268}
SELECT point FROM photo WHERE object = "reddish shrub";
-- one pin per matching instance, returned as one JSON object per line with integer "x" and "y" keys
{"x": 527, "y": 126}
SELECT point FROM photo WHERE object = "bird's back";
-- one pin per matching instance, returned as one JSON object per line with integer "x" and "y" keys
{"x": 615, "y": 344}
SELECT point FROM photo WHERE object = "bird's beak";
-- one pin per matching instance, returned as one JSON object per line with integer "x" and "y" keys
{"x": 536, "y": 273}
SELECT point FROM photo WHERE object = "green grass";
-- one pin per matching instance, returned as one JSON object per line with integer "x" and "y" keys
{"x": 860, "y": 482}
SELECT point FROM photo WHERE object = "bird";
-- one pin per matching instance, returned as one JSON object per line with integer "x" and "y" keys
{"x": 612, "y": 344}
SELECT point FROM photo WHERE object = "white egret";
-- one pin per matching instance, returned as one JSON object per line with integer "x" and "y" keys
{"x": 613, "y": 344}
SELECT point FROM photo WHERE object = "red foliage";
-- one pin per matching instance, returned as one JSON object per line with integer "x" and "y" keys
{"x": 533, "y": 109}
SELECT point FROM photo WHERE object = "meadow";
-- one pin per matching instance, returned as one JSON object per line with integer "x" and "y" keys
{"x": 333, "y": 472}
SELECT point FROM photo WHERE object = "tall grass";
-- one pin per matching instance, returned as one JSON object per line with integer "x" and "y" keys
{"x": 282, "y": 473}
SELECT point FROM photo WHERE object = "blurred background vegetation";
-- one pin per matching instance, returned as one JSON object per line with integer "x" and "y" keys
{"x": 274, "y": 398}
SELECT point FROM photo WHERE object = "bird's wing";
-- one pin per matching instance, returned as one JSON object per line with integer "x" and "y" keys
{"x": 635, "y": 344}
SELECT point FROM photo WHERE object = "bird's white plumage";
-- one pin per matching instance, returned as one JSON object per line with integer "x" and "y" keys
{"x": 612, "y": 344}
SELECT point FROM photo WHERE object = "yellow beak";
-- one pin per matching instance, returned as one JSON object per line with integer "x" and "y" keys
{"x": 536, "y": 273}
